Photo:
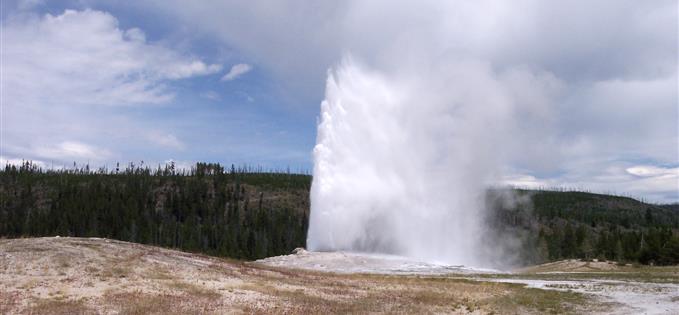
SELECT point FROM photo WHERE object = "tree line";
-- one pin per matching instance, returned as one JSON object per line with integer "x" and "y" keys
{"x": 555, "y": 225}
{"x": 231, "y": 213}
{"x": 246, "y": 213}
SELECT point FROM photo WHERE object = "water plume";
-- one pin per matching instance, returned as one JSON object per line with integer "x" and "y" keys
{"x": 403, "y": 158}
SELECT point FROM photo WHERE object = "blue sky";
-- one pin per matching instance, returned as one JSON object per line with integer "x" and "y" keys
{"x": 105, "y": 81}
{"x": 243, "y": 120}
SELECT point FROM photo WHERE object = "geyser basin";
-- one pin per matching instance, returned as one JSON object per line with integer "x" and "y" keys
{"x": 351, "y": 262}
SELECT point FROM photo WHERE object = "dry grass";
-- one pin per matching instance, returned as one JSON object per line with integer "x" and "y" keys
{"x": 594, "y": 267}
{"x": 304, "y": 293}
{"x": 104, "y": 276}
{"x": 138, "y": 303}
{"x": 159, "y": 273}
{"x": 544, "y": 301}
{"x": 194, "y": 290}
{"x": 59, "y": 306}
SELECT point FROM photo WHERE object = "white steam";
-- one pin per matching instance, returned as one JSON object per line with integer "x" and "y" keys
{"x": 441, "y": 100}
{"x": 402, "y": 160}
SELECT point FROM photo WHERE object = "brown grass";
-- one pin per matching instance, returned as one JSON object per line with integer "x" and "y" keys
{"x": 138, "y": 303}
{"x": 542, "y": 301}
{"x": 59, "y": 306}
{"x": 150, "y": 280}
{"x": 194, "y": 290}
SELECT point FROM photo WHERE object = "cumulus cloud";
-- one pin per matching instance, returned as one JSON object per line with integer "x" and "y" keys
{"x": 237, "y": 71}
{"x": 63, "y": 76}
{"x": 83, "y": 57}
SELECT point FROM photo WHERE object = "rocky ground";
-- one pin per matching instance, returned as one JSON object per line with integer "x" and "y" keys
{"x": 99, "y": 276}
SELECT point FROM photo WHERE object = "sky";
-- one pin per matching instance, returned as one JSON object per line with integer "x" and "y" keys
{"x": 101, "y": 82}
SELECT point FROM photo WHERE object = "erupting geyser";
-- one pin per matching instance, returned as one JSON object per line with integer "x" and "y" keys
{"x": 403, "y": 158}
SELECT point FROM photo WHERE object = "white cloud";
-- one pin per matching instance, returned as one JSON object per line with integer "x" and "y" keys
{"x": 649, "y": 182}
{"x": 237, "y": 71}
{"x": 524, "y": 181}
{"x": 71, "y": 150}
{"x": 653, "y": 171}
{"x": 135, "y": 35}
{"x": 83, "y": 57}
{"x": 298, "y": 40}
{"x": 166, "y": 140}
{"x": 64, "y": 77}
{"x": 194, "y": 68}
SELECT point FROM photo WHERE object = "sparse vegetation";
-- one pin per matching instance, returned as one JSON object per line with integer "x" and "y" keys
{"x": 171, "y": 282}
{"x": 203, "y": 284}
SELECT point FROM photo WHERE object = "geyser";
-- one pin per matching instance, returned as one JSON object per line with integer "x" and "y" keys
{"x": 403, "y": 158}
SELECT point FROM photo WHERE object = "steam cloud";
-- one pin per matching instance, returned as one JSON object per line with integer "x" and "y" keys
{"x": 402, "y": 161}
{"x": 411, "y": 134}
{"x": 419, "y": 121}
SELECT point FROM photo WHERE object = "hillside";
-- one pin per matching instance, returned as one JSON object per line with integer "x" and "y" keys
{"x": 244, "y": 214}
{"x": 553, "y": 225}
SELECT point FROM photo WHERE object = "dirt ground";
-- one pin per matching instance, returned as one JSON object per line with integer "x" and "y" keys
{"x": 623, "y": 288}
{"x": 99, "y": 276}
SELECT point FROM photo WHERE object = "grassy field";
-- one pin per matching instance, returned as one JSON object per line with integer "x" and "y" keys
{"x": 99, "y": 276}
